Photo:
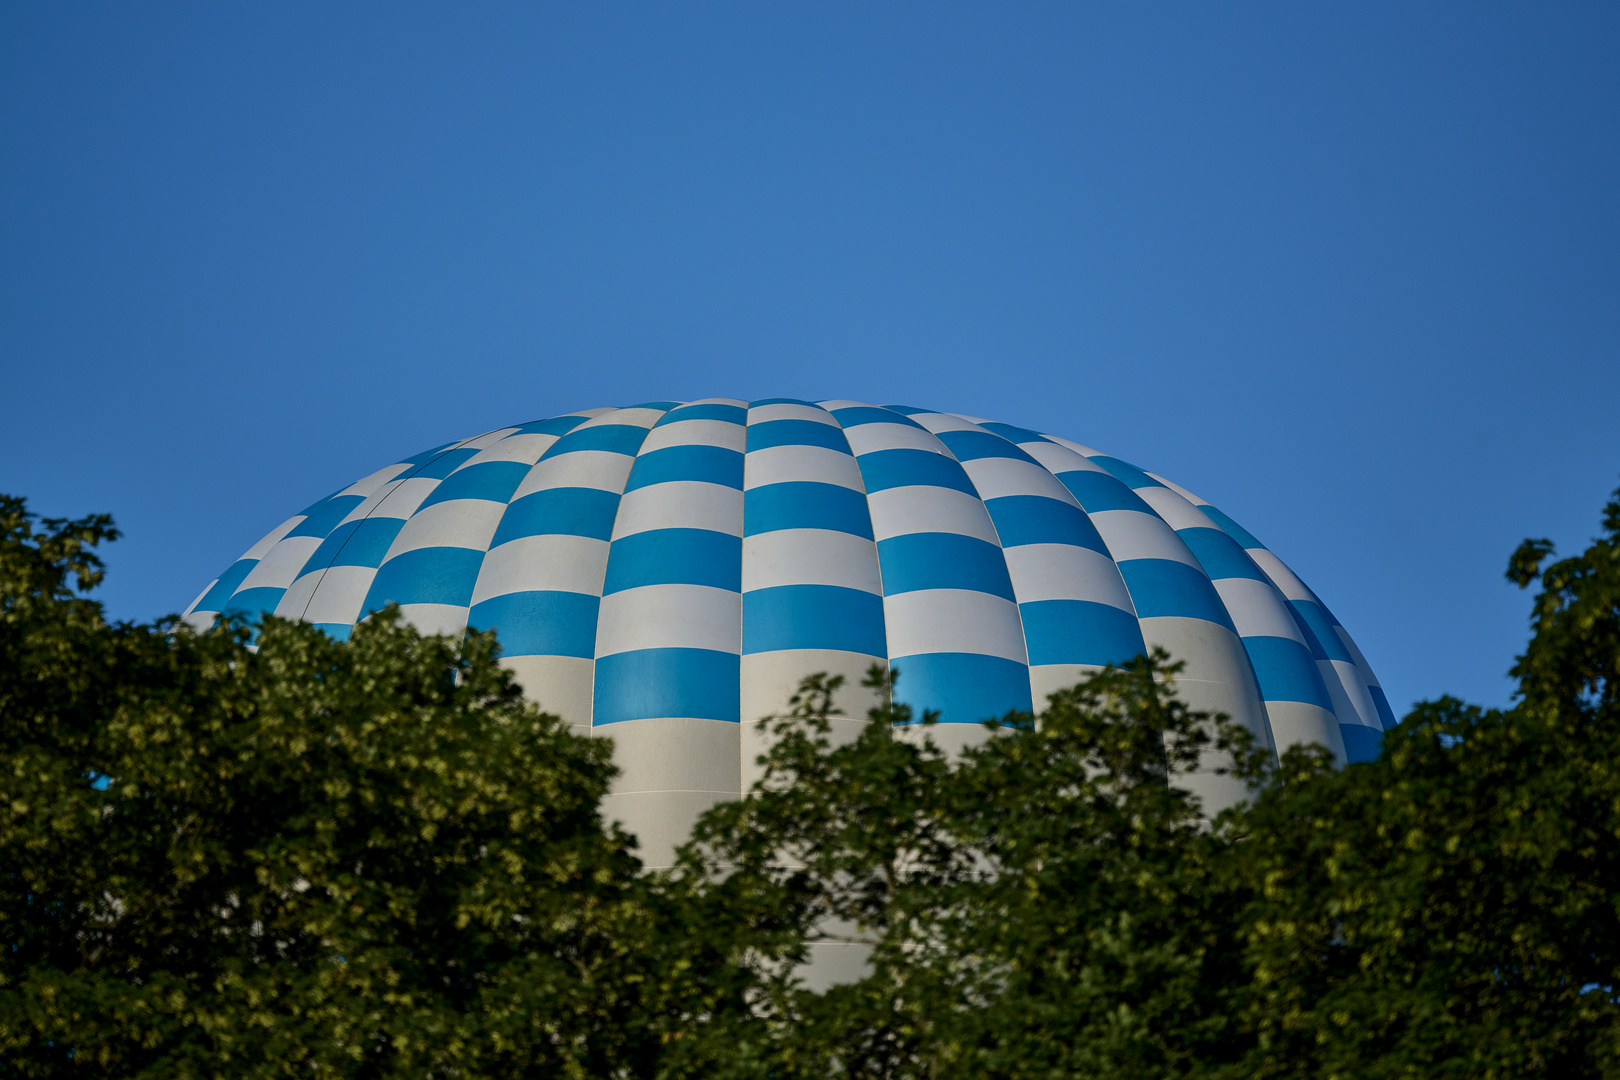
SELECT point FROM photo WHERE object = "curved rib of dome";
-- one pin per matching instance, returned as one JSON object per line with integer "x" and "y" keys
{"x": 666, "y": 573}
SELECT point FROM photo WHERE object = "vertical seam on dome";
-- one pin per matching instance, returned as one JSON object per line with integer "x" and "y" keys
{"x": 1265, "y": 706}
{"x": 596, "y": 646}
{"x": 1364, "y": 670}
{"x": 596, "y": 642}
{"x": 397, "y": 481}
{"x": 1001, "y": 551}
{"x": 1248, "y": 661}
{"x": 888, "y": 660}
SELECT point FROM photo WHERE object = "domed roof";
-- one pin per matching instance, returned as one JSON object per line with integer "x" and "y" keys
{"x": 692, "y": 560}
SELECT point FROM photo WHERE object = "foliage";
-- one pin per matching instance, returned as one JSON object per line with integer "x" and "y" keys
{"x": 1046, "y": 904}
{"x": 1050, "y": 903}
{"x": 837, "y": 838}
{"x": 1453, "y": 909}
{"x": 1102, "y": 931}
{"x": 309, "y": 857}
{"x": 265, "y": 852}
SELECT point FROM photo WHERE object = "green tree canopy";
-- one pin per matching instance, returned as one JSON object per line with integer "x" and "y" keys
{"x": 1453, "y": 909}
{"x": 1048, "y": 903}
{"x": 1051, "y": 903}
{"x": 306, "y": 857}
{"x": 263, "y": 852}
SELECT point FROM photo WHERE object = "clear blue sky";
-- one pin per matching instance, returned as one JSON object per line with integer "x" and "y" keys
{"x": 1351, "y": 271}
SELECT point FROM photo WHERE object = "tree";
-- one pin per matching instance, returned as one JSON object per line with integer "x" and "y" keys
{"x": 835, "y": 841}
{"x": 1045, "y": 905}
{"x": 307, "y": 857}
{"x": 1052, "y": 904}
{"x": 1453, "y": 909}
{"x": 263, "y": 852}
{"x": 1098, "y": 933}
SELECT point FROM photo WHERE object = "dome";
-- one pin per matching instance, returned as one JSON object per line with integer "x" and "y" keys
{"x": 667, "y": 572}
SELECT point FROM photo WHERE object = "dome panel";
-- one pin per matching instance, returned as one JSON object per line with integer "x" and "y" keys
{"x": 669, "y": 570}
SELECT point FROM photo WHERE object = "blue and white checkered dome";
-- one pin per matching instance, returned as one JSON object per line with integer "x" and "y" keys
{"x": 691, "y": 561}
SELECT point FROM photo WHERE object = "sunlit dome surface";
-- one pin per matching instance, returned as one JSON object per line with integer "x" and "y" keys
{"x": 670, "y": 570}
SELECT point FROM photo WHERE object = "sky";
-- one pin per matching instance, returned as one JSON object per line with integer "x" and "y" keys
{"x": 1349, "y": 271}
